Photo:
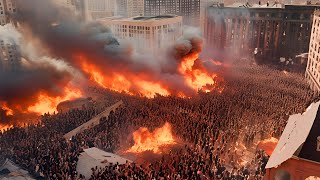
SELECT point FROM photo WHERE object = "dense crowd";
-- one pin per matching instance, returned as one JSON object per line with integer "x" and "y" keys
{"x": 255, "y": 104}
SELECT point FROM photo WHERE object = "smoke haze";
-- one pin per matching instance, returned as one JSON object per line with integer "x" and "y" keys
{"x": 58, "y": 50}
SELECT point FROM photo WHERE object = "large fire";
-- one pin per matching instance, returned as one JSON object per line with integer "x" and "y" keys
{"x": 48, "y": 104}
{"x": 144, "y": 140}
{"x": 120, "y": 83}
{"x": 195, "y": 76}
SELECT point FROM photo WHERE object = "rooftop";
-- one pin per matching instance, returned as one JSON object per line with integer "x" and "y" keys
{"x": 146, "y": 18}
{"x": 247, "y": 5}
{"x": 139, "y": 18}
{"x": 273, "y": 5}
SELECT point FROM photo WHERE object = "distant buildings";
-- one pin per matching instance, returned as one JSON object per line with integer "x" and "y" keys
{"x": 269, "y": 31}
{"x": 147, "y": 33}
{"x": 10, "y": 57}
{"x": 130, "y": 8}
{"x": 135, "y": 8}
{"x": 121, "y": 8}
{"x": 188, "y": 9}
{"x": 204, "y": 6}
{"x": 90, "y": 10}
{"x": 7, "y": 9}
{"x": 313, "y": 65}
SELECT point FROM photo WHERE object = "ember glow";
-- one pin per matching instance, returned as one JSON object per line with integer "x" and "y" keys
{"x": 268, "y": 145}
{"x": 144, "y": 140}
{"x": 5, "y": 127}
{"x": 5, "y": 107}
{"x": 48, "y": 104}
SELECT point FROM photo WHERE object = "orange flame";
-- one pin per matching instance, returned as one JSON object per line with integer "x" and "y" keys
{"x": 196, "y": 78}
{"x": 119, "y": 83}
{"x": 152, "y": 141}
{"x": 8, "y": 111}
{"x": 49, "y": 104}
{"x": 5, "y": 127}
{"x": 268, "y": 145}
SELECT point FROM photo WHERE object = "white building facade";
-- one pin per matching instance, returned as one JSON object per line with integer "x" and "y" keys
{"x": 313, "y": 65}
{"x": 10, "y": 56}
{"x": 7, "y": 8}
{"x": 152, "y": 34}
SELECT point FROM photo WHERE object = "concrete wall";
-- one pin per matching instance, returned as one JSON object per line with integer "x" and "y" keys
{"x": 93, "y": 122}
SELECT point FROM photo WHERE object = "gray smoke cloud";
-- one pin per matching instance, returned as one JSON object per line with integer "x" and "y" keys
{"x": 69, "y": 37}
{"x": 50, "y": 38}
{"x": 20, "y": 87}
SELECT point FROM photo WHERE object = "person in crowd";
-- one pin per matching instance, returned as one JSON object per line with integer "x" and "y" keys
{"x": 254, "y": 104}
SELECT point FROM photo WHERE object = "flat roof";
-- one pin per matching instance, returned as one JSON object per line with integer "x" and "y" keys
{"x": 243, "y": 5}
{"x": 265, "y": 6}
{"x": 140, "y": 18}
{"x": 147, "y": 18}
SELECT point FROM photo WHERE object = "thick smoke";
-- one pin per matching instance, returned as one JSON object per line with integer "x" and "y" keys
{"x": 67, "y": 38}
{"x": 55, "y": 45}
{"x": 20, "y": 88}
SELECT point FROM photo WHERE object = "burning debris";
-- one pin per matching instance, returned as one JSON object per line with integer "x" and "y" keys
{"x": 268, "y": 145}
{"x": 144, "y": 140}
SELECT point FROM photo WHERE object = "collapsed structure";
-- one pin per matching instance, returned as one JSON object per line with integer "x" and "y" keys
{"x": 297, "y": 154}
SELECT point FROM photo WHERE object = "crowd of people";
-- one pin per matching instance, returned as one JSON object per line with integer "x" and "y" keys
{"x": 215, "y": 129}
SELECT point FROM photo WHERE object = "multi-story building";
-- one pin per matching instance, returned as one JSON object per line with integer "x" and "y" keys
{"x": 152, "y": 34}
{"x": 121, "y": 8}
{"x": 135, "y": 8}
{"x": 7, "y": 8}
{"x": 10, "y": 57}
{"x": 188, "y": 9}
{"x": 313, "y": 65}
{"x": 130, "y": 8}
{"x": 204, "y": 6}
{"x": 90, "y": 10}
{"x": 270, "y": 31}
